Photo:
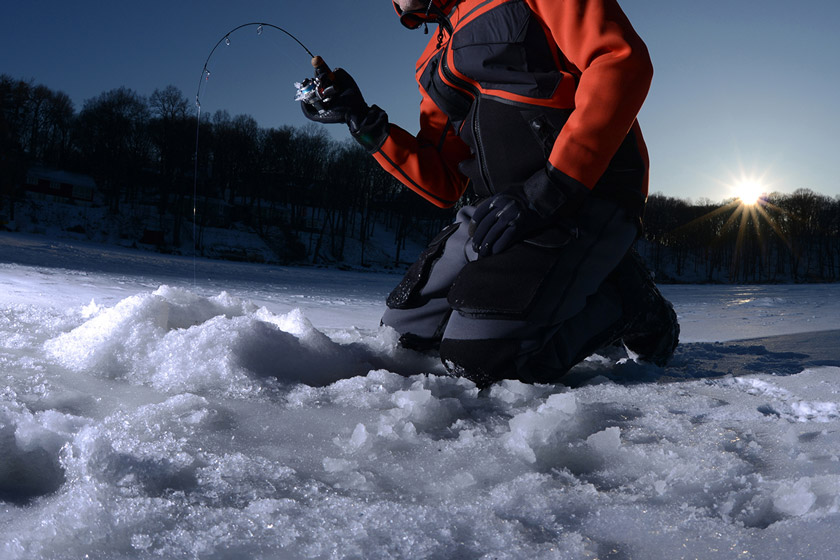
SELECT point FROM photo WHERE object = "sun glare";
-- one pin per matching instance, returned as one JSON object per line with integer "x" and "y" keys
{"x": 749, "y": 191}
{"x": 748, "y": 210}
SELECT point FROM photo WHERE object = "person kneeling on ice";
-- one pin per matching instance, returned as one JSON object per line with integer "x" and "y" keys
{"x": 532, "y": 104}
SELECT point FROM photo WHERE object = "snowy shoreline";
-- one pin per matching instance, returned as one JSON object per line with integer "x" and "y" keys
{"x": 155, "y": 406}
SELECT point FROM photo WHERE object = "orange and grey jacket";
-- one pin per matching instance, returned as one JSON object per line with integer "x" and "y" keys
{"x": 510, "y": 87}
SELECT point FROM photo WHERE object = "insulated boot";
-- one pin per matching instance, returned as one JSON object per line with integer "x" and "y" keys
{"x": 651, "y": 330}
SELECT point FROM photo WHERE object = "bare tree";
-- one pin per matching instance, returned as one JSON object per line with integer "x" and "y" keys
{"x": 172, "y": 133}
{"x": 113, "y": 137}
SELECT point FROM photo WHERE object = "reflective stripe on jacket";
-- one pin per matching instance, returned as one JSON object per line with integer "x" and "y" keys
{"x": 508, "y": 85}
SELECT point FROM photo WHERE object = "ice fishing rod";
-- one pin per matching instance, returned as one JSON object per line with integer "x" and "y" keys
{"x": 317, "y": 62}
{"x": 205, "y": 72}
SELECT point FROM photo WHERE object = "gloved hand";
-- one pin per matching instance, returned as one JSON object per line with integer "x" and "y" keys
{"x": 345, "y": 104}
{"x": 368, "y": 124}
{"x": 502, "y": 220}
{"x": 512, "y": 215}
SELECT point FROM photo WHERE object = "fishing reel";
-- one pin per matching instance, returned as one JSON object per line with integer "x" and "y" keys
{"x": 317, "y": 91}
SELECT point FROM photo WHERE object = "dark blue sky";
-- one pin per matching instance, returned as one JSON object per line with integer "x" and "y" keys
{"x": 741, "y": 87}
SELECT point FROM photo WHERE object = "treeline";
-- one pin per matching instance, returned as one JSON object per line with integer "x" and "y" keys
{"x": 783, "y": 238}
{"x": 285, "y": 183}
{"x": 310, "y": 197}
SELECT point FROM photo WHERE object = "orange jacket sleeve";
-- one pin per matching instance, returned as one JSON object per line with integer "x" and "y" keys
{"x": 427, "y": 163}
{"x": 615, "y": 74}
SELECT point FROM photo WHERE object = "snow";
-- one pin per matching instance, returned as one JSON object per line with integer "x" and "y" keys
{"x": 166, "y": 407}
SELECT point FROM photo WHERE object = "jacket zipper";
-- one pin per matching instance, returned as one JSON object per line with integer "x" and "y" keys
{"x": 470, "y": 89}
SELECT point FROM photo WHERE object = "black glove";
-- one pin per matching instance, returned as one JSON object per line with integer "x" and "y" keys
{"x": 502, "y": 220}
{"x": 346, "y": 102}
{"x": 368, "y": 125}
{"x": 512, "y": 215}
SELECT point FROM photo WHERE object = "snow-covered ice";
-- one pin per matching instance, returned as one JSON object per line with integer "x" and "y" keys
{"x": 163, "y": 407}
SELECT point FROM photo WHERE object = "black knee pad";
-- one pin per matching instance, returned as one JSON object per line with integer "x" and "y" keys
{"x": 510, "y": 284}
{"x": 481, "y": 361}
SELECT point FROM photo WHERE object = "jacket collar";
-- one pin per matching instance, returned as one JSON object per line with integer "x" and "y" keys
{"x": 435, "y": 12}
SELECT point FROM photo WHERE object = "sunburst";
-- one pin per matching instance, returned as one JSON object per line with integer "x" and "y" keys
{"x": 749, "y": 191}
{"x": 749, "y": 206}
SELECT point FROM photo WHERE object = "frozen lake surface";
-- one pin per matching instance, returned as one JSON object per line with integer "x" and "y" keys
{"x": 165, "y": 407}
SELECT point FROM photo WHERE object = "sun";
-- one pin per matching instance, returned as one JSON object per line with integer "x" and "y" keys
{"x": 749, "y": 191}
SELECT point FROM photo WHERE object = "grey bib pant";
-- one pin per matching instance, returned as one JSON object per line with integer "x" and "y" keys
{"x": 530, "y": 312}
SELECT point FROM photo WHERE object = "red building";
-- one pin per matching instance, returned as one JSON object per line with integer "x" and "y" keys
{"x": 60, "y": 186}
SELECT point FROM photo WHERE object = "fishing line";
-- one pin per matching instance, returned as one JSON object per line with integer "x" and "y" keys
{"x": 204, "y": 78}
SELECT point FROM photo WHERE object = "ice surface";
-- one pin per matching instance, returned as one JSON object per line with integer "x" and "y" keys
{"x": 261, "y": 412}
